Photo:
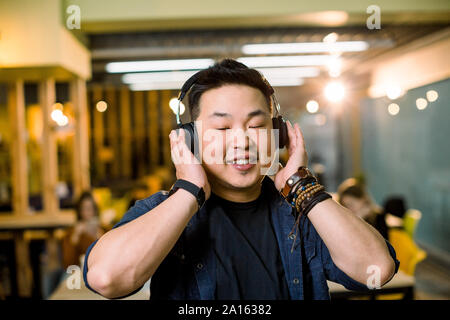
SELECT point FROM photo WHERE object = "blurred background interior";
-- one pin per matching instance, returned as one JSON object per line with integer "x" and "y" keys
{"x": 86, "y": 106}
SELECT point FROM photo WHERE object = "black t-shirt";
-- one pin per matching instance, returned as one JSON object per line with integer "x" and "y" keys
{"x": 248, "y": 262}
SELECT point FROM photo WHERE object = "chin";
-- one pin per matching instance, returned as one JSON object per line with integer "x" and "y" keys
{"x": 242, "y": 180}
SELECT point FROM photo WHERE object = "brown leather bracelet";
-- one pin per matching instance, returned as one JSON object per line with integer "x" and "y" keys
{"x": 302, "y": 173}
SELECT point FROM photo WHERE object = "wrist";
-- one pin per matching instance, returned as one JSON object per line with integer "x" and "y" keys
{"x": 291, "y": 183}
{"x": 191, "y": 200}
{"x": 197, "y": 192}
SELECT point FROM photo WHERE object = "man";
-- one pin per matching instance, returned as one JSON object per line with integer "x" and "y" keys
{"x": 239, "y": 244}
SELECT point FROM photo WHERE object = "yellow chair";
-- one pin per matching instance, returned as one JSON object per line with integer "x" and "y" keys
{"x": 153, "y": 184}
{"x": 102, "y": 197}
{"x": 120, "y": 206}
{"x": 408, "y": 253}
{"x": 411, "y": 220}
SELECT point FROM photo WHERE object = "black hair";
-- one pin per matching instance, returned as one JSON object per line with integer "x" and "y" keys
{"x": 227, "y": 71}
{"x": 395, "y": 205}
{"x": 86, "y": 195}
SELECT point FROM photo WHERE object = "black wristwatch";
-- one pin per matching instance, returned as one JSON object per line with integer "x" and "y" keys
{"x": 198, "y": 193}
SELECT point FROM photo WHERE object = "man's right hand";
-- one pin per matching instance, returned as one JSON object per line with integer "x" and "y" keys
{"x": 186, "y": 164}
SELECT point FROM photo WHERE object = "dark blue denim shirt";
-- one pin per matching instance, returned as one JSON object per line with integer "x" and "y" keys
{"x": 188, "y": 272}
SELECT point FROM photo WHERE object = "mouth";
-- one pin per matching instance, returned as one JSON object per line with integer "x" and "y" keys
{"x": 243, "y": 163}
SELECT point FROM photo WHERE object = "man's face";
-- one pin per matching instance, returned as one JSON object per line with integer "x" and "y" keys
{"x": 236, "y": 126}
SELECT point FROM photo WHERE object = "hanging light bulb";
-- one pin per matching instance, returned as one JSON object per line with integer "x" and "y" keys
{"x": 173, "y": 103}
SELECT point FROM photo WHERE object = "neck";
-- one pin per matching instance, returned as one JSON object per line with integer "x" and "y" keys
{"x": 237, "y": 195}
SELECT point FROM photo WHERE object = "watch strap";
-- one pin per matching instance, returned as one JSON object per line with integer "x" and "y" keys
{"x": 196, "y": 191}
{"x": 302, "y": 173}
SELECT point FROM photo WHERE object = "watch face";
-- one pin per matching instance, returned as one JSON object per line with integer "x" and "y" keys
{"x": 303, "y": 172}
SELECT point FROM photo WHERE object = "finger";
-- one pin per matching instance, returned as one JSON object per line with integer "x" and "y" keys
{"x": 291, "y": 133}
{"x": 175, "y": 154}
{"x": 185, "y": 152}
{"x": 299, "y": 134}
{"x": 174, "y": 150}
{"x": 171, "y": 138}
{"x": 181, "y": 135}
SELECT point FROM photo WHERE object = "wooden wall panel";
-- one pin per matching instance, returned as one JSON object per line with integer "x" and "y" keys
{"x": 49, "y": 149}
{"x": 153, "y": 128}
{"x": 16, "y": 112}
{"x": 139, "y": 131}
{"x": 80, "y": 171}
{"x": 167, "y": 119}
{"x": 125, "y": 132}
{"x": 113, "y": 133}
{"x": 98, "y": 133}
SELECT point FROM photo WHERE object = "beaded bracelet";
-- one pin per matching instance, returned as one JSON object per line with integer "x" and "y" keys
{"x": 306, "y": 195}
{"x": 302, "y": 191}
{"x": 299, "y": 184}
{"x": 299, "y": 188}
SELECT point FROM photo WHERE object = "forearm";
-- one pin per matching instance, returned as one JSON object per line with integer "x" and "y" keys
{"x": 353, "y": 244}
{"x": 125, "y": 257}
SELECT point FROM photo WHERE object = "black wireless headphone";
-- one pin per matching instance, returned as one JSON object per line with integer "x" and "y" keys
{"x": 191, "y": 135}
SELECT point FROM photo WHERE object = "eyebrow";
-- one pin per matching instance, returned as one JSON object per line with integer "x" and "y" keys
{"x": 250, "y": 115}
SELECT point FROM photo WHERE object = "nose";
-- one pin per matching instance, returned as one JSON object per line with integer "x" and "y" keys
{"x": 239, "y": 139}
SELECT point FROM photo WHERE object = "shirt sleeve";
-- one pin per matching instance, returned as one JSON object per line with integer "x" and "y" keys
{"x": 138, "y": 209}
{"x": 333, "y": 273}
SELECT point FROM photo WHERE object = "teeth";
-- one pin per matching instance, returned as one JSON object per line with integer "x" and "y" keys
{"x": 241, "y": 161}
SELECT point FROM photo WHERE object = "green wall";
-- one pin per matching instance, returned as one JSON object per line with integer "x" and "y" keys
{"x": 409, "y": 154}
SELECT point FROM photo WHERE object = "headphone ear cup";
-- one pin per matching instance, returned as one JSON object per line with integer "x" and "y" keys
{"x": 191, "y": 137}
{"x": 280, "y": 124}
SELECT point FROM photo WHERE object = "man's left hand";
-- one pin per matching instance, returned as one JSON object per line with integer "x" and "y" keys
{"x": 297, "y": 155}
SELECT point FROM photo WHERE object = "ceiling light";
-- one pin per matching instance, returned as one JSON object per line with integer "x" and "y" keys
{"x": 168, "y": 85}
{"x": 285, "y": 82}
{"x": 173, "y": 103}
{"x": 421, "y": 103}
{"x": 63, "y": 121}
{"x": 305, "y": 47}
{"x": 56, "y": 115}
{"x": 393, "y": 92}
{"x": 393, "y": 109}
{"x": 334, "y": 91}
{"x": 432, "y": 95}
{"x": 312, "y": 106}
{"x": 171, "y": 76}
{"x": 285, "y": 61}
{"x": 158, "y": 65}
{"x": 101, "y": 106}
{"x": 331, "y": 37}
{"x": 300, "y": 72}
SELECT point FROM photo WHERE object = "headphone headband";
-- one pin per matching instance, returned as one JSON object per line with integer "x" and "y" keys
{"x": 193, "y": 79}
{"x": 188, "y": 84}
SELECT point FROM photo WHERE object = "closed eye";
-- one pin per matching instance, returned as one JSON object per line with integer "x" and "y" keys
{"x": 222, "y": 128}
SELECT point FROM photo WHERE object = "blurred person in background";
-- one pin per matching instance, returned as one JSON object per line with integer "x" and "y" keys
{"x": 394, "y": 210}
{"x": 86, "y": 230}
{"x": 353, "y": 195}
